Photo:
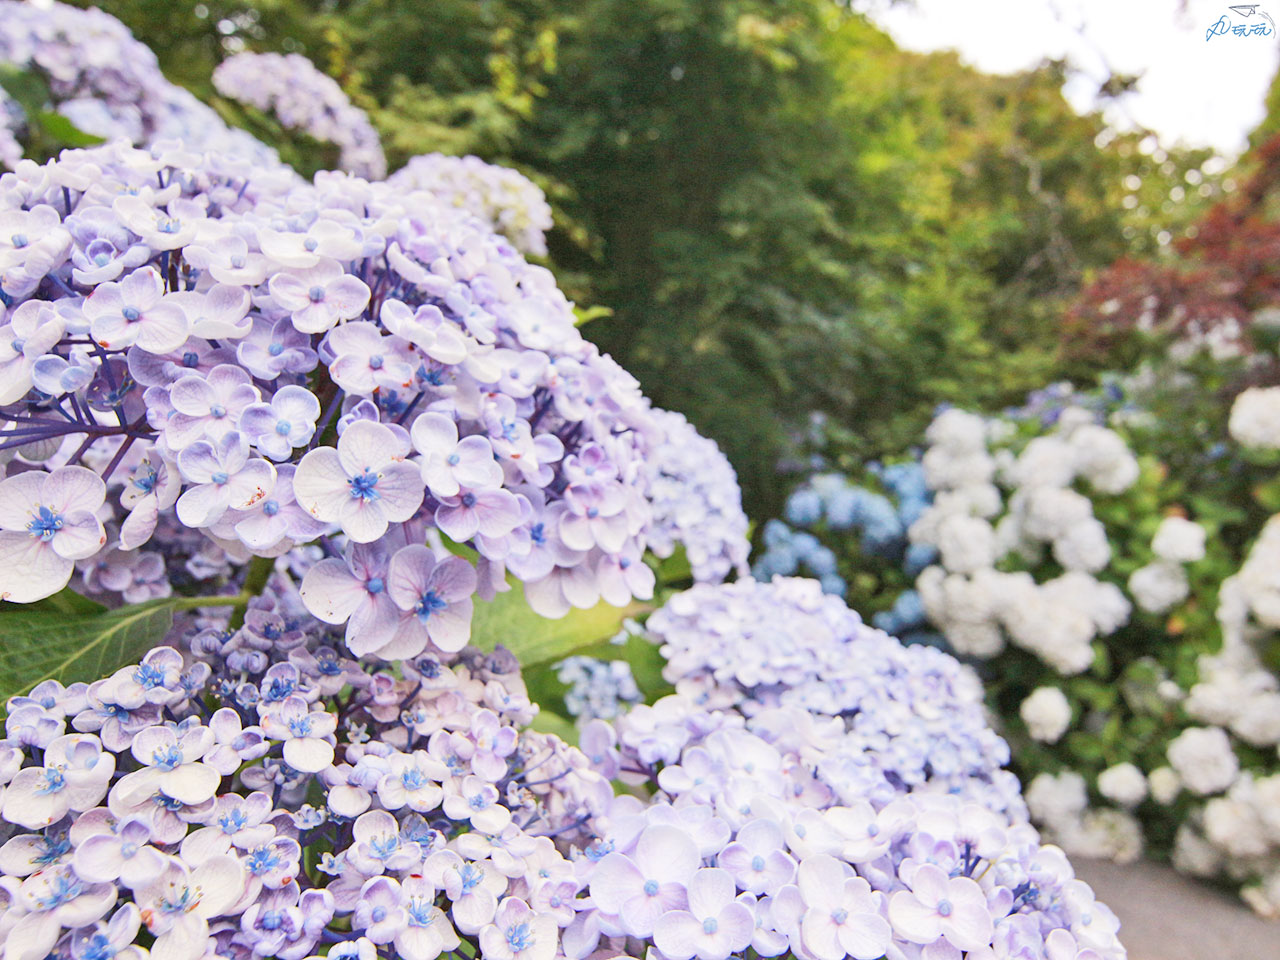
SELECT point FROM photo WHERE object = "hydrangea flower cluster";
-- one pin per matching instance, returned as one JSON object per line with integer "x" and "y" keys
{"x": 270, "y": 361}
{"x": 509, "y": 202}
{"x": 980, "y": 607}
{"x": 107, "y": 83}
{"x": 868, "y": 531}
{"x": 744, "y": 847}
{"x": 598, "y": 689}
{"x": 696, "y": 503}
{"x": 256, "y": 793}
{"x": 911, "y": 717}
{"x": 302, "y": 98}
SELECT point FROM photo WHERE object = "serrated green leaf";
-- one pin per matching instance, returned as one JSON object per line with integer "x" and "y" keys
{"x": 39, "y": 645}
{"x": 534, "y": 639}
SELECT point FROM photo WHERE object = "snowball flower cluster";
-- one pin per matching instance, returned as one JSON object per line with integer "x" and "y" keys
{"x": 106, "y": 82}
{"x": 1255, "y": 418}
{"x": 696, "y": 503}
{"x": 1047, "y": 714}
{"x": 1162, "y": 584}
{"x": 302, "y": 98}
{"x": 507, "y": 201}
{"x": 976, "y": 525}
{"x": 193, "y": 340}
{"x": 912, "y": 717}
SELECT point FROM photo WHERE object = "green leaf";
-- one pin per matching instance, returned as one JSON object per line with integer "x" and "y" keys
{"x": 584, "y": 315}
{"x": 45, "y": 644}
{"x": 64, "y": 131}
{"x": 548, "y": 721}
{"x": 66, "y": 602}
{"x": 534, "y": 639}
{"x": 27, "y": 87}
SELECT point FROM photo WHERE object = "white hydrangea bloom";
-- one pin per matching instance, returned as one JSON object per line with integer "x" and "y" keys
{"x": 1159, "y": 586}
{"x": 1204, "y": 760}
{"x": 1046, "y": 713}
{"x": 1165, "y": 785}
{"x": 1124, "y": 784}
{"x": 1179, "y": 540}
{"x": 1057, "y": 800}
{"x": 1255, "y": 418}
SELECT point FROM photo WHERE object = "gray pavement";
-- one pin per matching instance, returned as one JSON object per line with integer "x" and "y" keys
{"x": 1166, "y": 916}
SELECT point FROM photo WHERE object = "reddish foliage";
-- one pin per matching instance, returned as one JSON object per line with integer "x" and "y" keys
{"x": 1227, "y": 271}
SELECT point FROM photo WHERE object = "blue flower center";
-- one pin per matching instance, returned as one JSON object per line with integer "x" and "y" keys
{"x": 218, "y": 411}
{"x": 97, "y": 947}
{"x": 167, "y": 758}
{"x": 310, "y": 244}
{"x": 300, "y": 726}
{"x": 169, "y": 226}
{"x": 219, "y": 478}
{"x": 316, "y": 294}
{"x": 234, "y": 821}
{"x": 191, "y": 359}
{"x": 128, "y": 850}
{"x": 420, "y": 913}
{"x": 19, "y": 344}
{"x": 131, "y": 314}
{"x": 757, "y": 863}
{"x": 478, "y": 801}
{"x": 519, "y": 937}
{"x": 651, "y": 888}
{"x": 374, "y": 585}
{"x": 839, "y": 916}
{"x": 413, "y": 779}
{"x": 19, "y": 240}
{"x": 283, "y": 427}
{"x": 54, "y": 781}
{"x": 429, "y": 604}
{"x": 45, "y": 524}
{"x": 468, "y": 500}
{"x": 237, "y": 262}
{"x": 271, "y": 920}
{"x": 271, "y": 508}
{"x": 453, "y": 459}
{"x": 262, "y": 860}
{"x": 471, "y": 878}
{"x": 710, "y": 925}
{"x": 276, "y": 349}
{"x": 376, "y": 362}
{"x": 362, "y": 487}
{"x": 148, "y": 676}
{"x": 944, "y": 908}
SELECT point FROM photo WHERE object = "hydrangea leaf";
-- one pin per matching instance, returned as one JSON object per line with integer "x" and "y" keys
{"x": 51, "y": 644}
{"x": 534, "y": 639}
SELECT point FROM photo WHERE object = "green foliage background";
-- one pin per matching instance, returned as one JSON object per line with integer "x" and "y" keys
{"x": 784, "y": 211}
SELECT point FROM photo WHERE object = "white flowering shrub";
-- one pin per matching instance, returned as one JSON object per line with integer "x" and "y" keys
{"x": 1117, "y": 590}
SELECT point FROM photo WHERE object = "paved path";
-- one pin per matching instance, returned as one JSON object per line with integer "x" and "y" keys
{"x": 1166, "y": 916}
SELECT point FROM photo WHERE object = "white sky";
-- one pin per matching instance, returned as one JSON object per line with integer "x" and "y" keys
{"x": 1197, "y": 91}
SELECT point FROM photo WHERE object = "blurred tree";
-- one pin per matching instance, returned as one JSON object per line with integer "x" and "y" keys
{"x": 786, "y": 212}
